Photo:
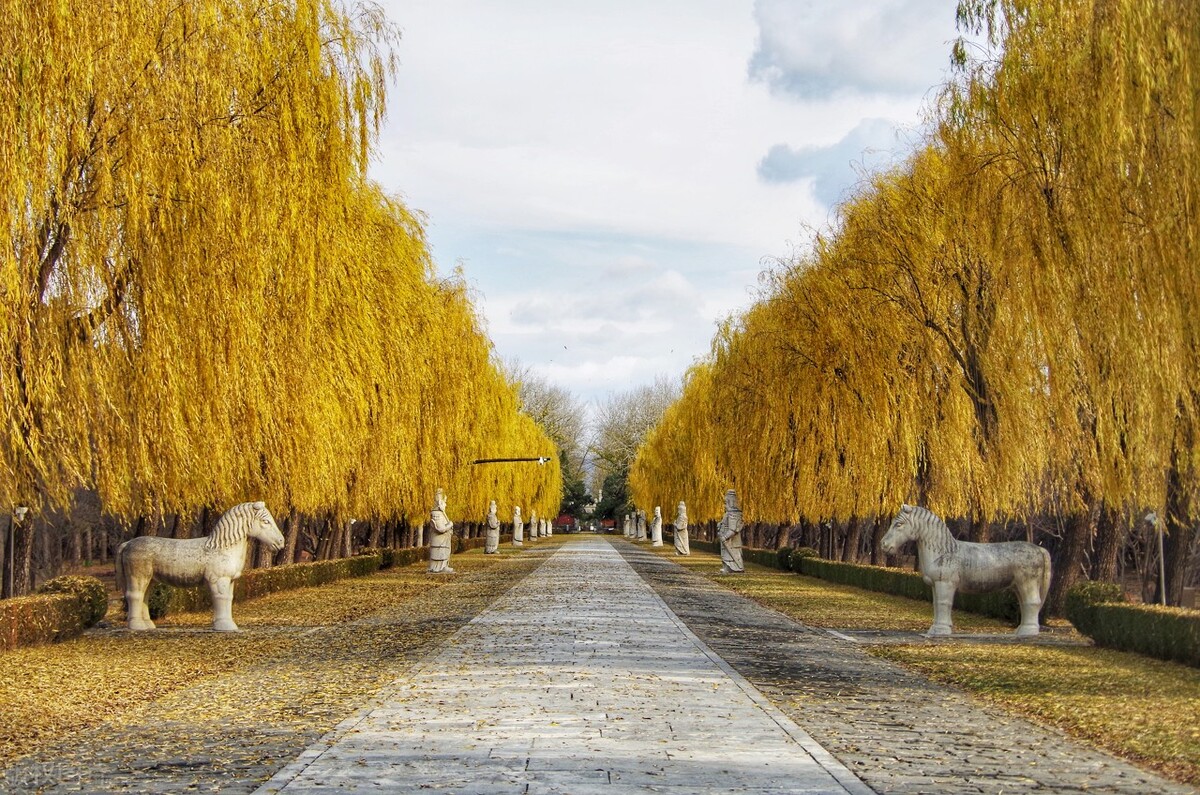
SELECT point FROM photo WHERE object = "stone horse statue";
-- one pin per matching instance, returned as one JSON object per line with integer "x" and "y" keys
{"x": 216, "y": 559}
{"x": 950, "y": 565}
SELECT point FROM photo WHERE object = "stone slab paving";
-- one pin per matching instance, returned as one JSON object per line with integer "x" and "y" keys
{"x": 895, "y": 729}
{"x": 580, "y": 680}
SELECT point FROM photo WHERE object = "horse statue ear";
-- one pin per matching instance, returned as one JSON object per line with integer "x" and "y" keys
{"x": 905, "y": 508}
{"x": 260, "y": 505}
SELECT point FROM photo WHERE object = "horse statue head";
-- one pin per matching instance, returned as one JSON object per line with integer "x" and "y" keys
{"x": 901, "y": 531}
{"x": 248, "y": 520}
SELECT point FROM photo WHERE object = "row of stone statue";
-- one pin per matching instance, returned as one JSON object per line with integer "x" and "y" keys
{"x": 729, "y": 532}
{"x": 441, "y": 528}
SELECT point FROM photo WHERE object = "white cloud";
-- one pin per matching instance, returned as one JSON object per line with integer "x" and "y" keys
{"x": 815, "y": 49}
{"x": 873, "y": 145}
{"x": 596, "y": 167}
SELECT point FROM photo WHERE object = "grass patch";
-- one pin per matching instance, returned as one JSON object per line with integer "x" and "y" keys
{"x": 1136, "y": 707}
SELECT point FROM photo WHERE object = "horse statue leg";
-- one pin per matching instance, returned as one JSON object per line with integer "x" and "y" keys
{"x": 133, "y": 584}
{"x": 135, "y": 604}
{"x": 222, "y": 600}
{"x": 943, "y": 605}
{"x": 1029, "y": 593}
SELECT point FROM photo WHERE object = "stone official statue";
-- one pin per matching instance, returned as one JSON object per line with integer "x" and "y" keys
{"x": 656, "y": 528}
{"x": 641, "y": 525}
{"x": 729, "y": 531}
{"x": 440, "y": 530}
{"x": 535, "y": 529}
{"x": 518, "y": 528}
{"x": 682, "y": 547}
{"x": 492, "y": 541}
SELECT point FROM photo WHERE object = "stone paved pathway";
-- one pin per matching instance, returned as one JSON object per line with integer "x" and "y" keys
{"x": 895, "y": 729}
{"x": 579, "y": 680}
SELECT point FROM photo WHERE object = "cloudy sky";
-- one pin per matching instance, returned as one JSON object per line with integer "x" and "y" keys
{"x": 612, "y": 177}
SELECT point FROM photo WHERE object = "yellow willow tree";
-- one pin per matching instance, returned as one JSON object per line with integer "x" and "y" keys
{"x": 928, "y": 254}
{"x": 678, "y": 458}
{"x": 468, "y": 410}
{"x": 204, "y": 300}
{"x": 1089, "y": 110}
{"x": 168, "y": 170}
{"x": 865, "y": 376}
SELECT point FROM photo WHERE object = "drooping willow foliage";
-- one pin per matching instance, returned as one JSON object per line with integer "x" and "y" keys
{"x": 1005, "y": 325}
{"x": 203, "y": 298}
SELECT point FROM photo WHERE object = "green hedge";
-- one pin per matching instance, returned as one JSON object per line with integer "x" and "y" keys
{"x": 64, "y": 608}
{"x": 1099, "y": 611}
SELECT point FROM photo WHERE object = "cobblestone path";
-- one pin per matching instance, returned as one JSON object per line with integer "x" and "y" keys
{"x": 580, "y": 680}
{"x": 895, "y": 729}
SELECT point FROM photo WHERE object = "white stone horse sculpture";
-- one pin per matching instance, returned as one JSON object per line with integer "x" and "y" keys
{"x": 216, "y": 559}
{"x": 950, "y": 565}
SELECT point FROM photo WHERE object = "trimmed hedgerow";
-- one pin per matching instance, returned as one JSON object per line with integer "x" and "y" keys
{"x": 93, "y": 596}
{"x": 762, "y": 557}
{"x": 799, "y": 554}
{"x": 1099, "y": 611}
{"x": 64, "y": 608}
{"x": 44, "y": 618}
{"x": 783, "y": 558}
{"x": 1083, "y": 596}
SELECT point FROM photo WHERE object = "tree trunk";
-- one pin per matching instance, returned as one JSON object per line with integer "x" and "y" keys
{"x": 201, "y": 527}
{"x": 878, "y": 529}
{"x": 291, "y": 531}
{"x": 22, "y": 556}
{"x": 783, "y": 536}
{"x": 376, "y": 537}
{"x": 262, "y": 556}
{"x": 6, "y": 551}
{"x": 325, "y": 539}
{"x": 1111, "y": 534}
{"x": 1177, "y": 538}
{"x": 853, "y": 538}
{"x": 75, "y": 540}
{"x": 980, "y": 530}
{"x": 1068, "y": 563}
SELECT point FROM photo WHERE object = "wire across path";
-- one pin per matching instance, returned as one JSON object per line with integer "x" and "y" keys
{"x": 579, "y": 680}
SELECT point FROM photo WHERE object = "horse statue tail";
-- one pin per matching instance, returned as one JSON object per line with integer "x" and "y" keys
{"x": 1045, "y": 584}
